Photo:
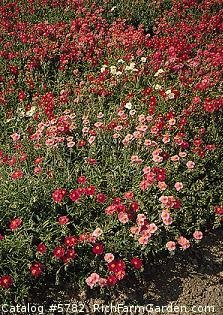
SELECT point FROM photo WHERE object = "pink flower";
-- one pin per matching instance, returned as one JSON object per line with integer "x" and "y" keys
{"x": 109, "y": 257}
{"x": 190, "y": 165}
{"x": 123, "y": 217}
{"x": 178, "y": 186}
{"x": 153, "y": 228}
{"x": 162, "y": 185}
{"x": 102, "y": 282}
{"x": 143, "y": 240}
{"x": 175, "y": 158}
{"x": 166, "y": 138}
{"x": 15, "y": 136}
{"x": 134, "y": 230}
{"x": 182, "y": 154}
{"x": 171, "y": 245}
{"x": 92, "y": 280}
{"x": 91, "y": 139}
{"x": 140, "y": 219}
{"x": 183, "y": 242}
{"x": 70, "y": 144}
{"x": 168, "y": 221}
{"x": 198, "y": 235}
{"x": 97, "y": 232}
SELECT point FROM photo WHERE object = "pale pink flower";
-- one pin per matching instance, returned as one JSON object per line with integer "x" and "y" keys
{"x": 182, "y": 154}
{"x": 123, "y": 217}
{"x": 140, "y": 219}
{"x": 141, "y": 119}
{"x": 178, "y": 186}
{"x": 172, "y": 121}
{"x": 168, "y": 221}
{"x": 98, "y": 124}
{"x": 109, "y": 257}
{"x": 171, "y": 245}
{"x": 110, "y": 210}
{"x": 70, "y": 144}
{"x": 157, "y": 159}
{"x": 165, "y": 215}
{"x": 136, "y": 159}
{"x": 162, "y": 185}
{"x": 50, "y": 142}
{"x": 100, "y": 115}
{"x": 37, "y": 170}
{"x": 146, "y": 233}
{"x": 137, "y": 135}
{"x": 166, "y": 138}
{"x": 92, "y": 280}
{"x": 198, "y": 235}
{"x": 91, "y": 139}
{"x": 153, "y": 228}
{"x": 146, "y": 169}
{"x": 183, "y": 242}
{"x": 147, "y": 142}
{"x": 154, "y": 130}
{"x": 134, "y": 230}
{"x": 143, "y": 240}
{"x": 15, "y": 136}
{"x": 116, "y": 136}
{"x": 190, "y": 165}
{"x": 132, "y": 112}
{"x": 175, "y": 158}
{"x": 164, "y": 199}
{"x": 102, "y": 282}
{"x": 97, "y": 232}
{"x": 118, "y": 128}
{"x": 142, "y": 128}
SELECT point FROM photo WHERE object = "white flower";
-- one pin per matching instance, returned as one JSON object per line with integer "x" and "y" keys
{"x": 128, "y": 105}
{"x": 113, "y": 69}
{"x": 143, "y": 59}
{"x": 158, "y": 72}
{"x": 170, "y": 95}
{"x": 103, "y": 68}
{"x": 31, "y": 112}
{"x": 157, "y": 87}
{"x": 121, "y": 61}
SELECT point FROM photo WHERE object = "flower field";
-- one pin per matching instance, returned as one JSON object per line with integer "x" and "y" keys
{"x": 111, "y": 120}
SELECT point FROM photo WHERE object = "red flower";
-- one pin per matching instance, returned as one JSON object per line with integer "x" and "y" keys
{"x": 134, "y": 206}
{"x": 70, "y": 255}
{"x": 101, "y": 198}
{"x": 6, "y": 281}
{"x": 98, "y": 248}
{"x": 17, "y": 174}
{"x": 116, "y": 266}
{"x": 58, "y": 252}
{"x": 136, "y": 262}
{"x": 15, "y": 224}
{"x": 74, "y": 195}
{"x": 36, "y": 269}
{"x": 71, "y": 241}
{"x": 219, "y": 210}
{"x": 111, "y": 280}
{"x": 58, "y": 195}
{"x": 90, "y": 191}
{"x": 41, "y": 248}
{"x": 63, "y": 219}
{"x": 82, "y": 179}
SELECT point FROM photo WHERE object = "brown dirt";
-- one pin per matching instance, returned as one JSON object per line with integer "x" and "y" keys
{"x": 192, "y": 280}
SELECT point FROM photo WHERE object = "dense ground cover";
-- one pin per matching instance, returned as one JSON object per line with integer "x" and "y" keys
{"x": 111, "y": 137}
